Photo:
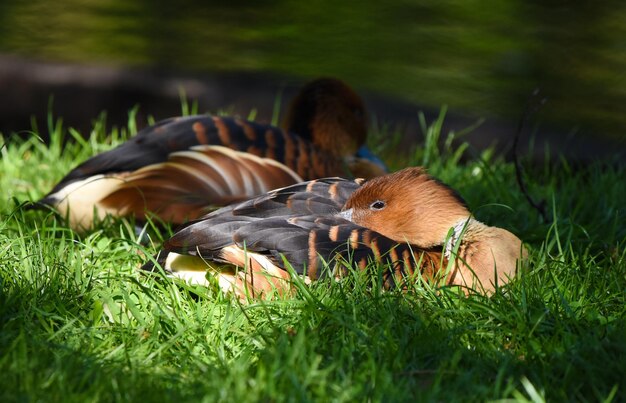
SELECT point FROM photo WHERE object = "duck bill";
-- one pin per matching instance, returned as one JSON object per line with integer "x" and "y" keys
{"x": 346, "y": 214}
{"x": 365, "y": 153}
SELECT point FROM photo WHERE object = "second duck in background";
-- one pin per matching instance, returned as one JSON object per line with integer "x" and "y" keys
{"x": 181, "y": 168}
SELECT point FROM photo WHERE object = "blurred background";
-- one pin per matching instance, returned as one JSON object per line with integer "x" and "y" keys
{"x": 481, "y": 59}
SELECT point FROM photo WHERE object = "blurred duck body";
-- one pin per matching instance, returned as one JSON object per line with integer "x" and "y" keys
{"x": 180, "y": 168}
{"x": 407, "y": 221}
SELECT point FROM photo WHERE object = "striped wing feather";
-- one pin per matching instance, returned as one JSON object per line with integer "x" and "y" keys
{"x": 194, "y": 181}
{"x": 216, "y": 229}
{"x": 309, "y": 241}
{"x": 154, "y": 144}
{"x": 321, "y": 196}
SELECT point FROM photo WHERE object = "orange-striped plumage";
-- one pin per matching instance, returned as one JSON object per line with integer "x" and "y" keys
{"x": 401, "y": 220}
{"x": 180, "y": 168}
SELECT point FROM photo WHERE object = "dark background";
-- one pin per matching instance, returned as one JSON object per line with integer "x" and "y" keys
{"x": 482, "y": 59}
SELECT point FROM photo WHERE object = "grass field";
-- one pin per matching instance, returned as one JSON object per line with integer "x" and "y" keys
{"x": 79, "y": 323}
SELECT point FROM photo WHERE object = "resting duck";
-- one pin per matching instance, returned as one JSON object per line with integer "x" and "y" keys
{"x": 408, "y": 221}
{"x": 181, "y": 168}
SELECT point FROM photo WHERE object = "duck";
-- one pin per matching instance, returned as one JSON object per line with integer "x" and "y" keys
{"x": 408, "y": 222}
{"x": 180, "y": 168}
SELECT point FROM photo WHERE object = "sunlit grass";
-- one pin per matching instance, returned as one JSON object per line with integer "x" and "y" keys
{"x": 79, "y": 322}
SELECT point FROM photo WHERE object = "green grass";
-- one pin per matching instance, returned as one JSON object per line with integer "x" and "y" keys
{"x": 79, "y": 323}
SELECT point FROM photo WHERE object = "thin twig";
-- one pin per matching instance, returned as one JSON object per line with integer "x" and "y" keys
{"x": 532, "y": 106}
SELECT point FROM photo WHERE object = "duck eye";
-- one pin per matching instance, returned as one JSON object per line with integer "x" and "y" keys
{"x": 378, "y": 205}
